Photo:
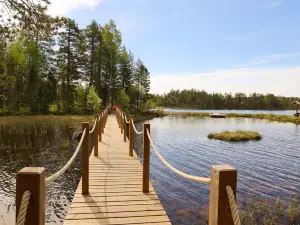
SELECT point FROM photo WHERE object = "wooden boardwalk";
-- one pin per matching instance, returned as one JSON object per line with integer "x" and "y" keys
{"x": 115, "y": 186}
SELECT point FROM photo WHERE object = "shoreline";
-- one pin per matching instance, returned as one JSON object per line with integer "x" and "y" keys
{"x": 270, "y": 117}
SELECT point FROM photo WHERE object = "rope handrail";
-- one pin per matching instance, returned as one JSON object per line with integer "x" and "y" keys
{"x": 91, "y": 131}
{"x": 233, "y": 207}
{"x": 23, "y": 208}
{"x": 137, "y": 132}
{"x": 127, "y": 121}
{"x": 62, "y": 170}
{"x": 178, "y": 172}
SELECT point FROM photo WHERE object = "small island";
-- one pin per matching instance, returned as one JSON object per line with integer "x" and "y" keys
{"x": 235, "y": 136}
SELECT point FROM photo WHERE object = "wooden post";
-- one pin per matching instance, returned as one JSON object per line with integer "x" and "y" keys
{"x": 85, "y": 159}
{"x": 219, "y": 208}
{"x": 117, "y": 115}
{"x": 119, "y": 119}
{"x": 100, "y": 127}
{"x": 125, "y": 130}
{"x": 104, "y": 120}
{"x": 146, "y": 159}
{"x": 122, "y": 123}
{"x": 32, "y": 179}
{"x": 131, "y": 136}
{"x": 96, "y": 136}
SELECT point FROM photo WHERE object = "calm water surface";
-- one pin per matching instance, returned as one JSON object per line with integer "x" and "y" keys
{"x": 39, "y": 146}
{"x": 276, "y": 112}
{"x": 268, "y": 168}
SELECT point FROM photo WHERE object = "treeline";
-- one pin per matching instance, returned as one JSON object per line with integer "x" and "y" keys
{"x": 52, "y": 65}
{"x": 197, "y": 99}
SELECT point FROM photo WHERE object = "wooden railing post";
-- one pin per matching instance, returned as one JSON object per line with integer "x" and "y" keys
{"x": 105, "y": 120}
{"x": 96, "y": 136}
{"x": 100, "y": 127}
{"x": 122, "y": 123}
{"x": 146, "y": 159}
{"x": 117, "y": 115}
{"x": 125, "y": 130}
{"x": 85, "y": 159}
{"x": 119, "y": 118}
{"x": 219, "y": 208}
{"x": 32, "y": 179}
{"x": 131, "y": 136}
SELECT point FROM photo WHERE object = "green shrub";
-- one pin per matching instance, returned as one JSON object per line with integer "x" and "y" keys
{"x": 235, "y": 136}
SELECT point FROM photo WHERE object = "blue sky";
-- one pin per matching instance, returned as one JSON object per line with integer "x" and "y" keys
{"x": 216, "y": 45}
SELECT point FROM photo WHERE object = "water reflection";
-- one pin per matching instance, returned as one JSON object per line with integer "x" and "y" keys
{"x": 40, "y": 144}
{"x": 269, "y": 167}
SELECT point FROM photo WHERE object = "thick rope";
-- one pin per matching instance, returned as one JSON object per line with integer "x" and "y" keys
{"x": 62, "y": 170}
{"x": 91, "y": 131}
{"x": 135, "y": 130}
{"x": 233, "y": 207}
{"x": 127, "y": 121}
{"x": 23, "y": 208}
{"x": 187, "y": 176}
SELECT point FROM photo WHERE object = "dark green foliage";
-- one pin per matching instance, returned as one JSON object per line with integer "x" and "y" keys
{"x": 49, "y": 65}
{"x": 202, "y": 100}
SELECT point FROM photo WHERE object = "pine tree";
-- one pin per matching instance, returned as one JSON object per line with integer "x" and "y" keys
{"x": 68, "y": 62}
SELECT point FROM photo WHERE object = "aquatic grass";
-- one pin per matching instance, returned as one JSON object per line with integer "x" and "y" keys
{"x": 235, "y": 136}
{"x": 253, "y": 210}
{"x": 65, "y": 143}
{"x": 270, "y": 117}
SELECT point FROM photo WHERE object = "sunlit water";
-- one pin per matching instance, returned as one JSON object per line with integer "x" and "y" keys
{"x": 276, "y": 112}
{"x": 269, "y": 167}
{"x": 52, "y": 156}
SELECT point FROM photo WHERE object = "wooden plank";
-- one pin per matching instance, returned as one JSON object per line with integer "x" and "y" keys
{"x": 115, "y": 209}
{"x": 115, "y": 215}
{"x": 129, "y": 193}
{"x": 113, "y": 198}
{"x": 115, "y": 187}
{"x": 105, "y": 204}
{"x": 119, "y": 221}
{"x": 112, "y": 190}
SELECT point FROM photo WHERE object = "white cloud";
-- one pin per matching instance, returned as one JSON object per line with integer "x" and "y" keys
{"x": 279, "y": 81}
{"x": 62, "y": 7}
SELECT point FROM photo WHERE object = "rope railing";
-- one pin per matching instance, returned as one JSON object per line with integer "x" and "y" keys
{"x": 91, "y": 131}
{"x": 31, "y": 181}
{"x": 221, "y": 176}
{"x": 135, "y": 130}
{"x": 233, "y": 207}
{"x": 62, "y": 170}
{"x": 127, "y": 121}
{"x": 180, "y": 173}
{"x": 23, "y": 208}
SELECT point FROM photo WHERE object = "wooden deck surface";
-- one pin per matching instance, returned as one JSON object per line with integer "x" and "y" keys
{"x": 116, "y": 195}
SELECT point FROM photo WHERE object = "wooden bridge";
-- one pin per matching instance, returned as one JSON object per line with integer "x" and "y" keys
{"x": 115, "y": 187}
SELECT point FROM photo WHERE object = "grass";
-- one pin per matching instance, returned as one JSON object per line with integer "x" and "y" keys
{"x": 235, "y": 136}
{"x": 65, "y": 143}
{"x": 253, "y": 210}
{"x": 270, "y": 117}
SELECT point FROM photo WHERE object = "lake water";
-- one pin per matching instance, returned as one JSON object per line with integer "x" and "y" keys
{"x": 38, "y": 144}
{"x": 276, "y": 112}
{"x": 268, "y": 168}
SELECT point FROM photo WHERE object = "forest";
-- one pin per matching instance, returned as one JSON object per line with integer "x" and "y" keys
{"x": 51, "y": 65}
{"x": 196, "y": 99}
